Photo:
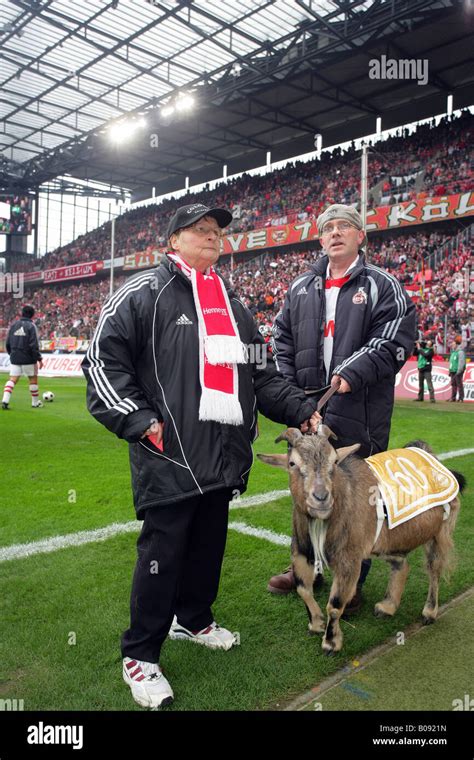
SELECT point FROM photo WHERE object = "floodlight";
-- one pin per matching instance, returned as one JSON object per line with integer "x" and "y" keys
{"x": 167, "y": 111}
{"x": 184, "y": 102}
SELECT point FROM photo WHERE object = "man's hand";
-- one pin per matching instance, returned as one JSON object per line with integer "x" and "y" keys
{"x": 344, "y": 386}
{"x": 155, "y": 428}
{"x": 311, "y": 425}
{"x": 40, "y": 364}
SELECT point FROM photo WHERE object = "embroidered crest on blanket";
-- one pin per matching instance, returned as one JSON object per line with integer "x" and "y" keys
{"x": 411, "y": 481}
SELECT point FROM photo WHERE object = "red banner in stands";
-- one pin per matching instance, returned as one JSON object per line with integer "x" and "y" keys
{"x": 404, "y": 214}
{"x": 420, "y": 211}
{"x": 144, "y": 259}
{"x": 31, "y": 276}
{"x": 73, "y": 272}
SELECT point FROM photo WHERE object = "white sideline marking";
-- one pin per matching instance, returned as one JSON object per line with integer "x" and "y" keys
{"x": 268, "y": 535}
{"x": 48, "y": 545}
{"x": 454, "y": 454}
{"x": 260, "y": 498}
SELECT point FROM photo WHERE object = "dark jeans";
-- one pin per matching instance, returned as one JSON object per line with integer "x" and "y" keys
{"x": 425, "y": 374}
{"x": 180, "y": 553}
{"x": 457, "y": 386}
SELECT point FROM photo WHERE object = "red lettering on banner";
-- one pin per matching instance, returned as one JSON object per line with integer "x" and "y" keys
{"x": 329, "y": 328}
{"x": 72, "y": 272}
{"x": 399, "y": 215}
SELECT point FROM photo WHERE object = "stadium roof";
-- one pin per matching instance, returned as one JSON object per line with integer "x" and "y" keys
{"x": 264, "y": 75}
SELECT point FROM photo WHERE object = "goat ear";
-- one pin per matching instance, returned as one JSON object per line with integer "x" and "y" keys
{"x": 276, "y": 460}
{"x": 291, "y": 435}
{"x": 345, "y": 451}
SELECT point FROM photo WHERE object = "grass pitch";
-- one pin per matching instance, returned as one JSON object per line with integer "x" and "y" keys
{"x": 63, "y": 613}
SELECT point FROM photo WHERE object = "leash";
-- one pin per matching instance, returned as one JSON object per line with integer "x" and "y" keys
{"x": 330, "y": 391}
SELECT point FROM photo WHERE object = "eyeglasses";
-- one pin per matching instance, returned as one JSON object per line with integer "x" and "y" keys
{"x": 341, "y": 226}
{"x": 203, "y": 229}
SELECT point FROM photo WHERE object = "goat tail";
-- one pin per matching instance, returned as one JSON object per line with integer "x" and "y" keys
{"x": 444, "y": 542}
{"x": 462, "y": 482}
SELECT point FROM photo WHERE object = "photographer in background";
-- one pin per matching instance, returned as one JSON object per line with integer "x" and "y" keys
{"x": 425, "y": 352}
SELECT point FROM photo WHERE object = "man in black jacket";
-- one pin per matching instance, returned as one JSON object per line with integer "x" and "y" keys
{"x": 178, "y": 368}
{"x": 25, "y": 358}
{"x": 351, "y": 324}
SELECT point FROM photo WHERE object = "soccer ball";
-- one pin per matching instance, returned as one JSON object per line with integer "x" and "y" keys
{"x": 48, "y": 396}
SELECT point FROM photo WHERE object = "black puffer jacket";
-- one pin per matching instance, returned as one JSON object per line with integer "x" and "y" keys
{"x": 22, "y": 342}
{"x": 375, "y": 327}
{"x": 143, "y": 362}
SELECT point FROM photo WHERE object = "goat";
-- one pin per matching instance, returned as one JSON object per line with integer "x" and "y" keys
{"x": 335, "y": 522}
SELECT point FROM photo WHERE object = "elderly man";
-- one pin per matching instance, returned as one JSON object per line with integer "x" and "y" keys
{"x": 351, "y": 324}
{"x": 178, "y": 368}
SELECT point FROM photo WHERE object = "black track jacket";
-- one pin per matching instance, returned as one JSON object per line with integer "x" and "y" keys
{"x": 22, "y": 342}
{"x": 374, "y": 335}
{"x": 143, "y": 362}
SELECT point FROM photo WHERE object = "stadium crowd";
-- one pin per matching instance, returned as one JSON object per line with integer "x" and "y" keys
{"x": 73, "y": 309}
{"x": 441, "y": 154}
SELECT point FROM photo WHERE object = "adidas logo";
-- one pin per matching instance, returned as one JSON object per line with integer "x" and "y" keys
{"x": 20, "y": 331}
{"x": 302, "y": 291}
{"x": 183, "y": 320}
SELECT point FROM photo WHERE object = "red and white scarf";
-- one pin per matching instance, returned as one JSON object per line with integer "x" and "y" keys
{"x": 220, "y": 347}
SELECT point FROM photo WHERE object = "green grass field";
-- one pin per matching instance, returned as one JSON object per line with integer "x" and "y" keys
{"x": 63, "y": 473}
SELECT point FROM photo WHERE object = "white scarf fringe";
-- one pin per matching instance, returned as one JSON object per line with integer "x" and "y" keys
{"x": 225, "y": 349}
{"x": 216, "y": 406}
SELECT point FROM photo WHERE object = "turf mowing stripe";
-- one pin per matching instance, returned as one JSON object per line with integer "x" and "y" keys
{"x": 307, "y": 699}
{"x": 45, "y": 546}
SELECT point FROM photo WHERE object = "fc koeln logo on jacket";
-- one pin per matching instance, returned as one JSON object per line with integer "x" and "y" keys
{"x": 360, "y": 296}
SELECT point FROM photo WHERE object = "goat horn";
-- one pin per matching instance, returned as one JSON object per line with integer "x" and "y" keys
{"x": 291, "y": 435}
{"x": 326, "y": 432}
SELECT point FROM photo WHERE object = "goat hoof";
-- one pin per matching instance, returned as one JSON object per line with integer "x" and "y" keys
{"x": 382, "y": 614}
{"x": 428, "y": 620}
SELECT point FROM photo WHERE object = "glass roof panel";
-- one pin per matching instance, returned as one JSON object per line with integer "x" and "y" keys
{"x": 83, "y": 62}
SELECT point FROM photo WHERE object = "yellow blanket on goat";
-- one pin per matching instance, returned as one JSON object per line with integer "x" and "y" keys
{"x": 411, "y": 480}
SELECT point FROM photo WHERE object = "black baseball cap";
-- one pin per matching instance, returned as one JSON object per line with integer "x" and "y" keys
{"x": 186, "y": 215}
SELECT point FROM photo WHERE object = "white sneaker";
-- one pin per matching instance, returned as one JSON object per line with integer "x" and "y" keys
{"x": 213, "y": 636}
{"x": 148, "y": 684}
{"x": 38, "y": 405}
